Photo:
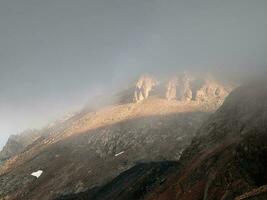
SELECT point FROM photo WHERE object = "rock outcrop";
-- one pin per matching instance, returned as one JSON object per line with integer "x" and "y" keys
{"x": 211, "y": 90}
{"x": 179, "y": 88}
{"x": 143, "y": 87}
{"x": 185, "y": 88}
{"x": 171, "y": 90}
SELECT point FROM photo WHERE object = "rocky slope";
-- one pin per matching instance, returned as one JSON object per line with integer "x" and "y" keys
{"x": 17, "y": 143}
{"x": 20, "y": 142}
{"x": 96, "y": 145}
{"x": 227, "y": 159}
{"x": 131, "y": 185}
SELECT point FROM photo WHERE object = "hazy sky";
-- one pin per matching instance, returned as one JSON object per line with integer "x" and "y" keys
{"x": 55, "y": 54}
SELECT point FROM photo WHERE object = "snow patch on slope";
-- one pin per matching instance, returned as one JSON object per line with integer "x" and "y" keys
{"x": 117, "y": 154}
{"x": 37, "y": 174}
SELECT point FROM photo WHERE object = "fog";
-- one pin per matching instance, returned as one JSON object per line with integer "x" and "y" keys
{"x": 57, "y": 54}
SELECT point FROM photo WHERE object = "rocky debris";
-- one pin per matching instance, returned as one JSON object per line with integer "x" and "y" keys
{"x": 143, "y": 87}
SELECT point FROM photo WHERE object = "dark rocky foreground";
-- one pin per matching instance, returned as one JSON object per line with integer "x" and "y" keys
{"x": 132, "y": 184}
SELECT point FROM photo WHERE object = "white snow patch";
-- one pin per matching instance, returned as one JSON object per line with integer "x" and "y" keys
{"x": 37, "y": 174}
{"x": 117, "y": 154}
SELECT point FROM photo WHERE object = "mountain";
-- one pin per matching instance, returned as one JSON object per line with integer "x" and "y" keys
{"x": 226, "y": 160}
{"x": 140, "y": 124}
{"x": 17, "y": 143}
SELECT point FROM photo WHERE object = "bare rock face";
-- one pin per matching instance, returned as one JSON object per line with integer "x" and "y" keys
{"x": 143, "y": 87}
{"x": 179, "y": 88}
{"x": 184, "y": 88}
{"x": 211, "y": 90}
{"x": 171, "y": 91}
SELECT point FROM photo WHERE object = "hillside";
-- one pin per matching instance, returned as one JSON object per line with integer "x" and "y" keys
{"x": 17, "y": 143}
{"x": 97, "y": 145}
{"x": 225, "y": 161}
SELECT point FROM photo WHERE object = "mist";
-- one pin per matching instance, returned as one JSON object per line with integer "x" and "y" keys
{"x": 57, "y": 55}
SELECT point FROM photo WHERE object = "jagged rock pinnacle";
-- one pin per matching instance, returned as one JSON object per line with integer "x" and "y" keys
{"x": 171, "y": 91}
{"x": 184, "y": 88}
{"x": 143, "y": 87}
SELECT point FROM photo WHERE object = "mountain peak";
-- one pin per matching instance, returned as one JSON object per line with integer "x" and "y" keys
{"x": 182, "y": 87}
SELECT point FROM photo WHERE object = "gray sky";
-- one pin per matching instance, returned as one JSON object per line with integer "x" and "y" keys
{"x": 56, "y": 54}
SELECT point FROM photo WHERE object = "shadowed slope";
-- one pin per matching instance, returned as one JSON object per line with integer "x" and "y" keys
{"x": 229, "y": 156}
{"x": 131, "y": 184}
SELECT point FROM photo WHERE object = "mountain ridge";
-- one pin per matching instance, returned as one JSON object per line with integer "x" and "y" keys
{"x": 84, "y": 150}
{"x": 226, "y": 159}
